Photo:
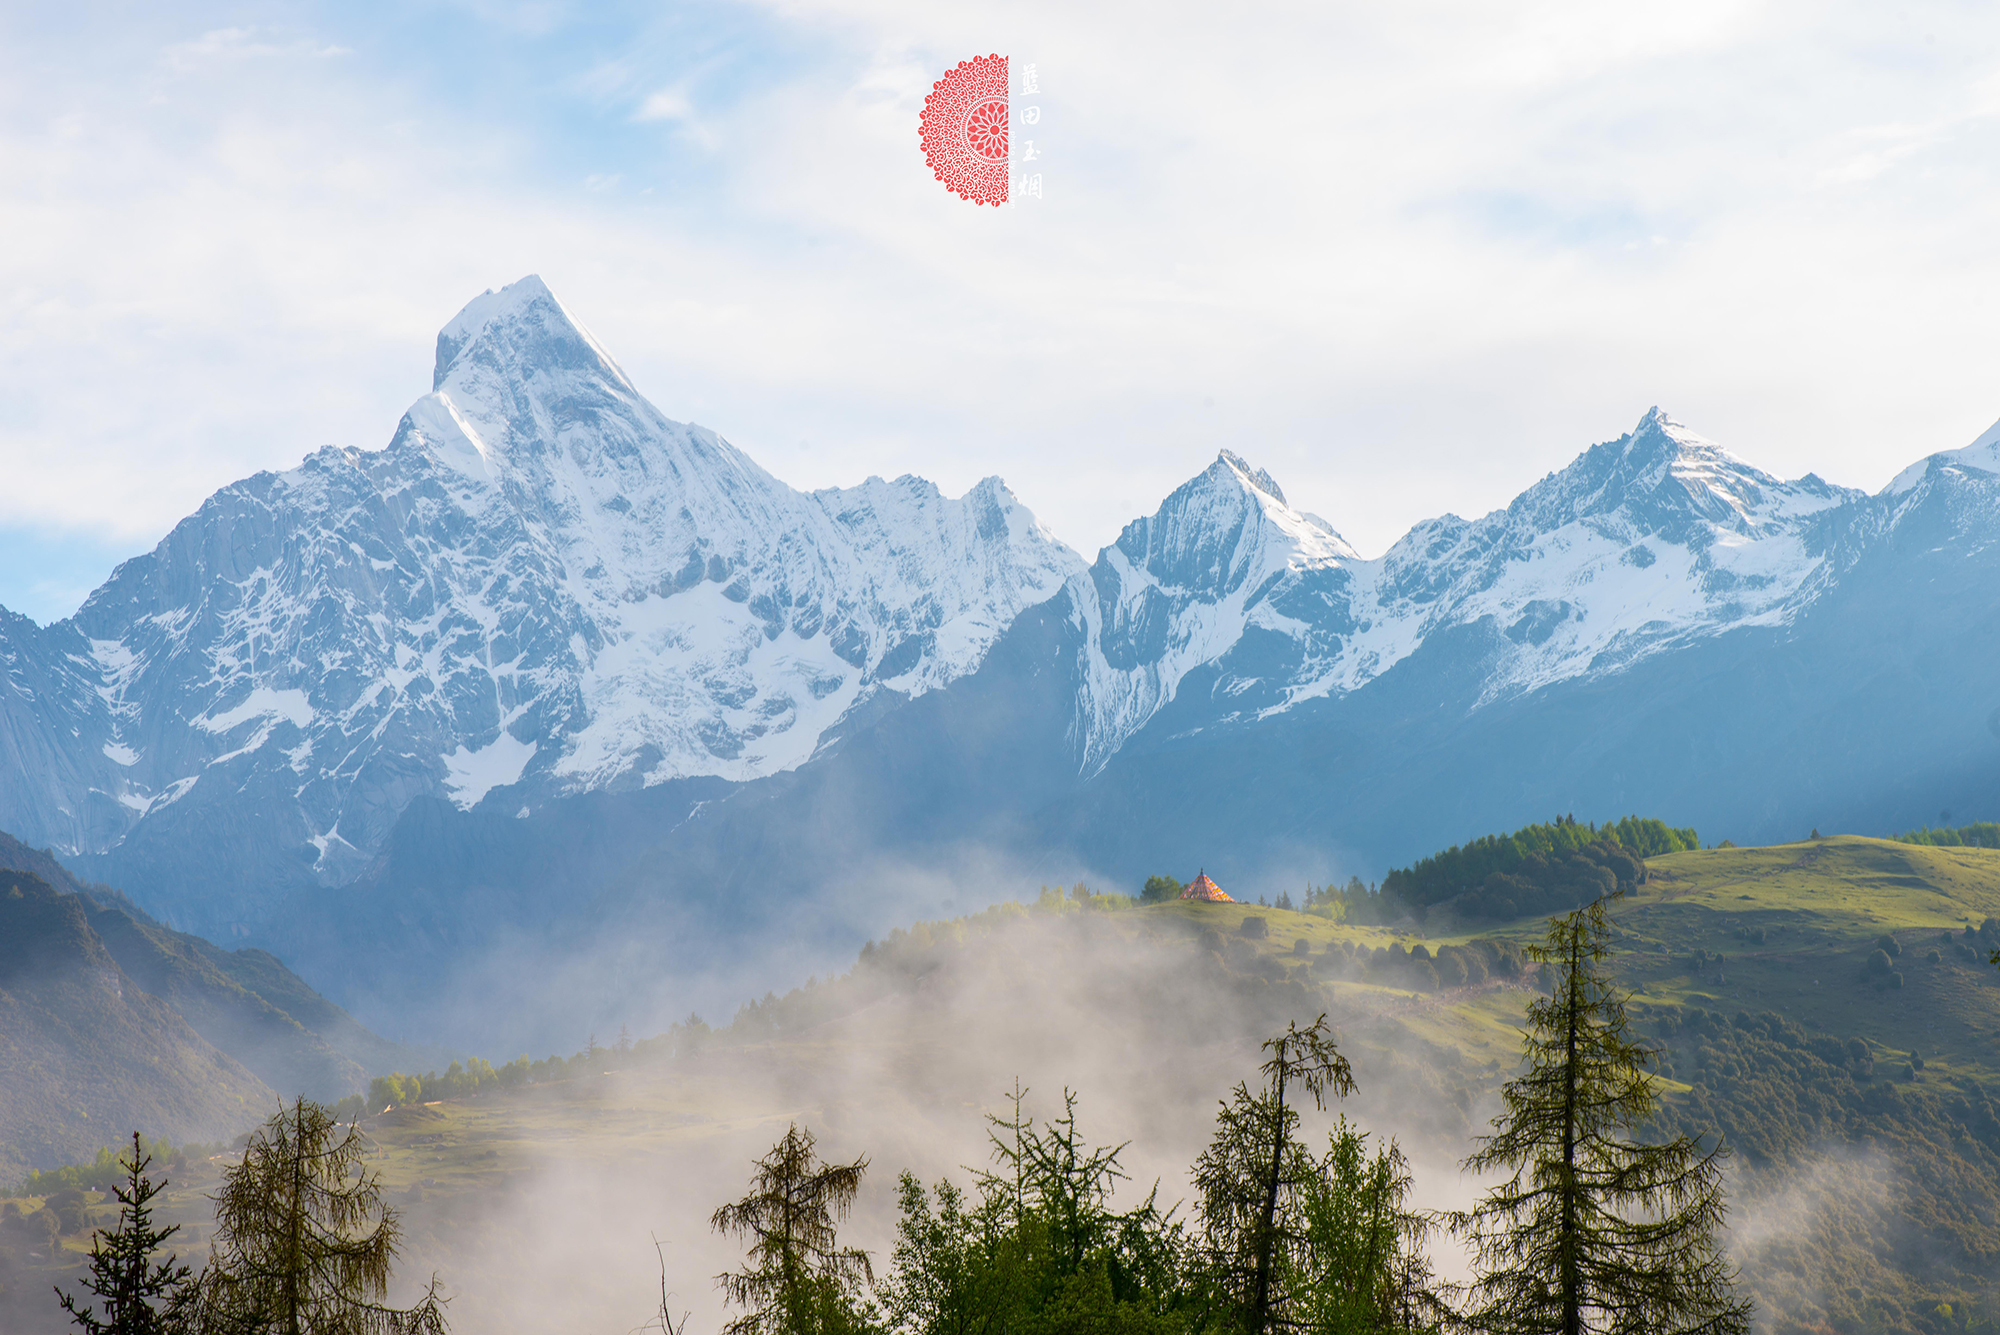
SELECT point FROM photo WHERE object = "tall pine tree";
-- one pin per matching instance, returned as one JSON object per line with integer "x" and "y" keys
{"x": 140, "y": 1295}
{"x": 1250, "y": 1181}
{"x": 1595, "y": 1230}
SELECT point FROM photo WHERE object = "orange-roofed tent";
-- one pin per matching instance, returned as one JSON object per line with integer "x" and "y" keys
{"x": 1206, "y": 890}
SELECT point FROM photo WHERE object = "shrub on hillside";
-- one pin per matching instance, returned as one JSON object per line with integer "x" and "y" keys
{"x": 34, "y": 1232}
{"x": 67, "y": 1209}
{"x": 1450, "y": 965}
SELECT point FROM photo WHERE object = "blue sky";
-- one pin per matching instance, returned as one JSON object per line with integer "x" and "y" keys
{"x": 1407, "y": 258}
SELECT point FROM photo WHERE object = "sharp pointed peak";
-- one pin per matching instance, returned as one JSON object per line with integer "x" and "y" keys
{"x": 1249, "y": 473}
{"x": 524, "y": 302}
{"x": 1659, "y": 425}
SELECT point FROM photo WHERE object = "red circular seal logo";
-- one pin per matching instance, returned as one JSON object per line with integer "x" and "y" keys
{"x": 964, "y": 130}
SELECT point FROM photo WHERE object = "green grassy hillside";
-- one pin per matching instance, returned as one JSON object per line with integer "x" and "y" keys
{"x": 1866, "y": 1175}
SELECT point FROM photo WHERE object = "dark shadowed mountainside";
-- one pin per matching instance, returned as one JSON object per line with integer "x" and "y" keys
{"x": 243, "y": 1008}
{"x": 86, "y": 1055}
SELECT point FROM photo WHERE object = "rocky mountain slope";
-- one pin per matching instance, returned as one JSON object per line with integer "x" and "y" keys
{"x": 200, "y": 1006}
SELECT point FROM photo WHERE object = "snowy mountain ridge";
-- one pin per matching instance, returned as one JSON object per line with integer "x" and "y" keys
{"x": 544, "y": 587}
{"x": 1981, "y": 456}
{"x": 1648, "y": 541}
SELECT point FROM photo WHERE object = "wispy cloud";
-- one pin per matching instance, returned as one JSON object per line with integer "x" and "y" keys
{"x": 224, "y": 46}
{"x": 669, "y": 104}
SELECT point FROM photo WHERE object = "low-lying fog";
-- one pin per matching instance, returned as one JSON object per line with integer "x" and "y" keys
{"x": 1148, "y": 1034}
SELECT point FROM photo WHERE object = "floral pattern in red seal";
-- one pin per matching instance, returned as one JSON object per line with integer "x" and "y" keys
{"x": 964, "y": 130}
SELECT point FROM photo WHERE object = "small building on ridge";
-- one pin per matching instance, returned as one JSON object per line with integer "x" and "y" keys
{"x": 1205, "y": 890}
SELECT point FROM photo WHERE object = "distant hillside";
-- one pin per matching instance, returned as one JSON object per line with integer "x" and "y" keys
{"x": 86, "y": 1055}
{"x": 114, "y": 1022}
{"x": 245, "y": 1002}
{"x": 1825, "y": 1006}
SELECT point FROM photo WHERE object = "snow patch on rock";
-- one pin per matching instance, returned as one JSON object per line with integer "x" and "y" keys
{"x": 470, "y": 775}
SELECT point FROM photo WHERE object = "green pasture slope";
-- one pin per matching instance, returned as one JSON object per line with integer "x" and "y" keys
{"x": 1859, "y": 1100}
{"x": 1867, "y": 1139}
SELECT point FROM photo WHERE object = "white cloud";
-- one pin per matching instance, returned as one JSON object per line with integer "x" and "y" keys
{"x": 669, "y": 104}
{"x": 1408, "y": 258}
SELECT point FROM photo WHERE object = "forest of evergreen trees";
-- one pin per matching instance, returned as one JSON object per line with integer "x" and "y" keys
{"x": 1979, "y": 834}
{"x": 1536, "y": 870}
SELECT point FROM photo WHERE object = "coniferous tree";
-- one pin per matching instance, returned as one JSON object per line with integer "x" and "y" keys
{"x": 1362, "y": 1267}
{"x": 1040, "y": 1251}
{"x": 1251, "y": 1180}
{"x": 799, "y": 1280}
{"x": 1594, "y": 1231}
{"x": 303, "y": 1242}
{"x": 140, "y": 1295}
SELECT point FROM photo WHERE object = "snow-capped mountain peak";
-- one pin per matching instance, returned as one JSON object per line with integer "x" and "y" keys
{"x": 1255, "y": 478}
{"x": 1663, "y": 478}
{"x": 518, "y": 326}
{"x": 1640, "y": 543}
{"x": 1225, "y": 559}
{"x": 1226, "y": 526}
{"x": 542, "y": 584}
